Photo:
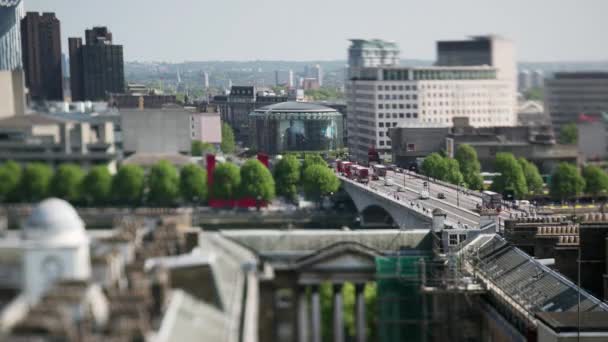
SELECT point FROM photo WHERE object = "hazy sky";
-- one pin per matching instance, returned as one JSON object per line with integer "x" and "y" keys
{"x": 179, "y": 30}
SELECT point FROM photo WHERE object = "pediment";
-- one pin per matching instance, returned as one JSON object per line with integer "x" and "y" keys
{"x": 340, "y": 256}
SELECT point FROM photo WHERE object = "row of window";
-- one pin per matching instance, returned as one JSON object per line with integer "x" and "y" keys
{"x": 400, "y": 115}
{"x": 397, "y": 106}
{"x": 397, "y": 87}
{"x": 469, "y": 112}
{"x": 388, "y": 124}
{"x": 397, "y": 97}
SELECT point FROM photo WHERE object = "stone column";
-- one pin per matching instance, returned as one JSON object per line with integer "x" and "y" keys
{"x": 303, "y": 326}
{"x": 360, "y": 312}
{"x": 316, "y": 313}
{"x": 338, "y": 314}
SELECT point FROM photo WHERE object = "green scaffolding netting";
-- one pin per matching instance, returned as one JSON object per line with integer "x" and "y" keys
{"x": 401, "y": 307}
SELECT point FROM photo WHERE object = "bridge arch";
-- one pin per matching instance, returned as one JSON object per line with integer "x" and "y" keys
{"x": 375, "y": 215}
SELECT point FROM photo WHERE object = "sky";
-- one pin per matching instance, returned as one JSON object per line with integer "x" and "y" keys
{"x": 306, "y": 30}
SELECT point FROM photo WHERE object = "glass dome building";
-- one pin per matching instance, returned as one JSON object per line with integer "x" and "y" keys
{"x": 296, "y": 126}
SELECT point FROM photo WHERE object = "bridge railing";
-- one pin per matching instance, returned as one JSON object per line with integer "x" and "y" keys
{"x": 442, "y": 183}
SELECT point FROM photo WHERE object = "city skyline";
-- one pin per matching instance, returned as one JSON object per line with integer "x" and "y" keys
{"x": 287, "y": 34}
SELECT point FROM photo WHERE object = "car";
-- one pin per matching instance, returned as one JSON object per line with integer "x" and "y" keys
{"x": 424, "y": 194}
{"x": 441, "y": 195}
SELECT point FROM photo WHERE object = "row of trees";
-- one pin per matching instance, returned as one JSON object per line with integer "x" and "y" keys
{"x": 165, "y": 185}
{"x": 464, "y": 169}
{"x": 518, "y": 176}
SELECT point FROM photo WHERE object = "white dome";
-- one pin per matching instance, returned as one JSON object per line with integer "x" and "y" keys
{"x": 55, "y": 220}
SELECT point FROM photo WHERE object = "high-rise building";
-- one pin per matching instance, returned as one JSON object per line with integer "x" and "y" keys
{"x": 205, "y": 80}
{"x": 41, "y": 50}
{"x": 319, "y": 74}
{"x": 290, "y": 83}
{"x": 96, "y": 68}
{"x": 568, "y": 95}
{"x": 537, "y": 79}
{"x": 381, "y": 94}
{"x": 11, "y": 12}
{"x": 524, "y": 80}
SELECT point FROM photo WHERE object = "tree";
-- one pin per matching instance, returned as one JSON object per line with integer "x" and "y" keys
{"x": 96, "y": 186}
{"x": 66, "y": 181}
{"x": 533, "y": 177}
{"x": 228, "y": 145}
{"x": 256, "y": 181}
{"x": 596, "y": 180}
{"x": 193, "y": 183}
{"x": 312, "y": 159}
{"x": 318, "y": 181}
{"x": 566, "y": 182}
{"x": 469, "y": 166}
{"x": 10, "y": 177}
{"x": 568, "y": 134}
{"x": 534, "y": 94}
{"x": 452, "y": 174}
{"x": 163, "y": 184}
{"x": 287, "y": 176}
{"x": 434, "y": 166}
{"x": 35, "y": 182}
{"x": 128, "y": 185}
{"x": 200, "y": 149}
{"x": 226, "y": 181}
{"x": 511, "y": 175}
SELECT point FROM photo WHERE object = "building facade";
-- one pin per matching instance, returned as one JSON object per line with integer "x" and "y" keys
{"x": 381, "y": 95}
{"x": 11, "y": 12}
{"x": 42, "y": 62}
{"x": 97, "y": 67}
{"x": 570, "y": 94}
{"x": 296, "y": 126}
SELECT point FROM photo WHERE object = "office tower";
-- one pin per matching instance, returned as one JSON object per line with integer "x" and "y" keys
{"x": 569, "y": 95}
{"x": 205, "y": 80}
{"x": 11, "y": 12}
{"x": 290, "y": 83}
{"x": 41, "y": 50}
{"x": 524, "y": 80}
{"x": 97, "y": 67}
{"x": 537, "y": 79}
{"x": 380, "y": 95}
{"x": 319, "y": 74}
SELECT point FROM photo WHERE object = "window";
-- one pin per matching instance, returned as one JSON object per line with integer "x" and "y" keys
{"x": 379, "y": 96}
{"x": 394, "y": 106}
{"x": 394, "y": 87}
{"x": 400, "y": 97}
{"x": 407, "y": 87}
{"x": 381, "y": 143}
{"x": 452, "y": 239}
{"x": 379, "y": 87}
{"x": 411, "y": 147}
{"x": 381, "y": 115}
{"x": 401, "y": 106}
{"x": 381, "y": 134}
{"x": 380, "y": 124}
{"x": 408, "y": 115}
{"x": 400, "y": 87}
{"x": 394, "y": 124}
{"x": 380, "y": 106}
{"x": 415, "y": 115}
{"x": 401, "y": 115}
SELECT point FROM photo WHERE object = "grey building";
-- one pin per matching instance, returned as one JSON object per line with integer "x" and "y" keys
{"x": 236, "y": 106}
{"x": 11, "y": 12}
{"x": 570, "y": 94}
{"x": 536, "y": 143}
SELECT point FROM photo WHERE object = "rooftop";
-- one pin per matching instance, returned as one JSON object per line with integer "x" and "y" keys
{"x": 568, "y": 321}
{"x": 22, "y": 121}
{"x": 295, "y": 107}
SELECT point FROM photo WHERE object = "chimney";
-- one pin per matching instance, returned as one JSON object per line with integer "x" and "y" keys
{"x": 438, "y": 220}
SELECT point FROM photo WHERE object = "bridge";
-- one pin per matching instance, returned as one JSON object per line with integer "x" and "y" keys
{"x": 399, "y": 195}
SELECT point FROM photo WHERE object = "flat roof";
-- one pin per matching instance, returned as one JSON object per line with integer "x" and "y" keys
{"x": 568, "y": 321}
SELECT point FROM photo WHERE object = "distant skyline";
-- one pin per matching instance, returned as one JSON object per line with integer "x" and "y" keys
{"x": 244, "y": 30}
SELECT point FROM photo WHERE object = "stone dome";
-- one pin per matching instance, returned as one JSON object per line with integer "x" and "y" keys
{"x": 55, "y": 220}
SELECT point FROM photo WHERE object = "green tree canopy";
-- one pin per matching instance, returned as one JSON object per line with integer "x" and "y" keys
{"x": 318, "y": 181}
{"x": 596, "y": 180}
{"x": 312, "y": 159}
{"x": 469, "y": 166}
{"x": 66, "y": 181}
{"x": 453, "y": 174}
{"x": 434, "y": 166}
{"x": 10, "y": 177}
{"x": 534, "y": 181}
{"x": 256, "y": 181}
{"x": 566, "y": 182}
{"x": 226, "y": 181}
{"x": 511, "y": 175}
{"x": 324, "y": 94}
{"x": 287, "y": 176}
{"x": 228, "y": 144}
{"x": 193, "y": 183}
{"x": 535, "y": 94}
{"x": 163, "y": 184}
{"x": 128, "y": 185}
{"x": 200, "y": 149}
{"x": 96, "y": 186}
{"x": 35, "y": 182}
{"x": 568, "y": 134}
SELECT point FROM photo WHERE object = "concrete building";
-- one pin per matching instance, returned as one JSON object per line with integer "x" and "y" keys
{"x": 12, "y": 88}
{"x": 383, "y": 96}
{"x": 296, "y": 126}
{"x": 538, "y": 79}
{"x": 42, "y": 62}
{"x": 236, "y": 106}
{"x": 593, "y": 136}
{"x": 11, "y": 12}
{"x": 411, "y": 142}
{"x": 524, "y": 81}
{"x": 318, "y": 74}
{"x": 205, "y": 80}
{"x": 97, "y": 67}
{"x": 570, "y": 94}
{"x": 310, "y": 83}
{"x": 207, "y": 126}
{"x": 54, "y": 140}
